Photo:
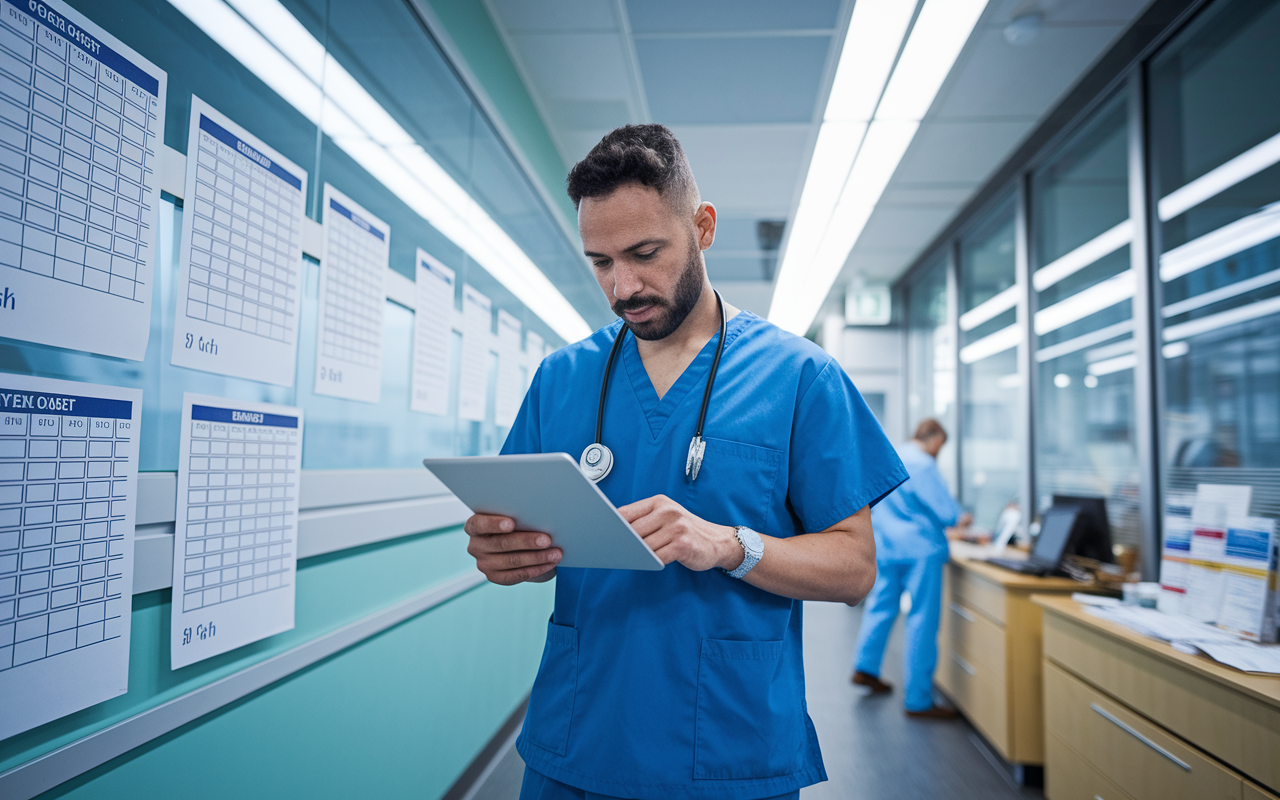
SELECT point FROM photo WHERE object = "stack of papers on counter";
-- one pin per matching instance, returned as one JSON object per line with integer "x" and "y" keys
{"x": 1191, "y": 636}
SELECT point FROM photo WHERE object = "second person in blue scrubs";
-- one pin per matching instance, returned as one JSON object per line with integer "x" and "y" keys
{"x": 688, "y": 682}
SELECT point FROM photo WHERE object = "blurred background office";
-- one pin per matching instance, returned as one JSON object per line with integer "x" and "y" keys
{"x": 1052, "y": 225}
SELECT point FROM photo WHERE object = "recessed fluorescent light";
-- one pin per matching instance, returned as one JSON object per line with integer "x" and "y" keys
{"x": 1104, "y": 244}
{"x": 1219, "y": 179}
{"x": 1175, "y": 350}
{"x": 819, "y": 243}
{"x": 1090, "y": 301}
{"x": 988, "y": 346}
{"x": 1218, "y": 295}
{"x": 1235, "y": 237}
{"x": 1117, "y": 364}
{"x": 1110, "y": 351}
{"x": 288, "y": 59}
{"x": 990, "y": 308}
{"x": 935, "y": 42}
{"x": 1084, "y": 340}
{"x": 870, "y": 47}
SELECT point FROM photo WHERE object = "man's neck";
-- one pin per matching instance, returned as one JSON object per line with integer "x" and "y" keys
{"x": 665, "y": 359}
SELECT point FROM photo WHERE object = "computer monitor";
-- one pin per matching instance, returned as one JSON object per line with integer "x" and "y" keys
{"x": 1056, "y": 525}
{"x": 1093, "y": 533}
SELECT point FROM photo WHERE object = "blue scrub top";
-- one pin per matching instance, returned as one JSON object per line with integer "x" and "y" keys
{"x": 680, "y": 683}
{"x": 911, "y": 523}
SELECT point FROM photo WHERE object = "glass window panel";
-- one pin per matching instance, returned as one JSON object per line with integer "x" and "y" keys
{"x": 931, "y": 360}
{"x": 1213, "y": 91}
{"x": 990, "y": 334}
{"x": 1084, "y": 362}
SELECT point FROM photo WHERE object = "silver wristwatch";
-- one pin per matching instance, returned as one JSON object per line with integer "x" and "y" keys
{"x": 752, "y": 550}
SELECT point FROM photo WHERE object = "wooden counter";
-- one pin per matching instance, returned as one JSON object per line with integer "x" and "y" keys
{"x": 989, "y": 661}
{"x": 1133, "y": 715}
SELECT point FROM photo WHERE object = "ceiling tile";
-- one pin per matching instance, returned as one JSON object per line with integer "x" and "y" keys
{"x": 577, "y": 115}
{"x": 733, "y": 79}
{"x": 926, "y": 194}
{"x": 1058, "y": 11}
{"x": 662, "y": 16}
{"x": 753, "y": 296}
{"x": 960, "y": 152}
{"x": 735, "y": 267}
{"x": 997, "y": 79}
{"x": 903, "y": 226}
{"x": 555, "y": 15}
{"x": 555, "y": 64}
{"x": 747, "y": 169}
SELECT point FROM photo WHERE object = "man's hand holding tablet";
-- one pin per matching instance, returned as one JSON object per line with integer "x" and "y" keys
{"x": 507, "y": 556}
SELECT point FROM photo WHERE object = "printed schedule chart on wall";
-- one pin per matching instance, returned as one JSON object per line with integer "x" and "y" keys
{"x": 533, "y": 345}
{"x": 353, "y": 299}
{"x": 510, "y": 389}
{"x": 432, "y": 333}
{"x": 81, "y": 117}
{"x": 240, "y": 268}
{"x": 235, "y": 547}
{"x": 473, "y": 383}
{"x": 68, "y": 487}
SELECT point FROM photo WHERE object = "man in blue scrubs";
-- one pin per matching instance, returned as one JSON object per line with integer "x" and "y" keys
{"x": 688, "y": 682}
{"x": 911, "y": 552}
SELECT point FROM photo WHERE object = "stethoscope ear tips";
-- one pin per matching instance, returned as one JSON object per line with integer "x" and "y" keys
{"x": 596, "y": 462}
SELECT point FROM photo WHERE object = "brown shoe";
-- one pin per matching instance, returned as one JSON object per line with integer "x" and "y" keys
{"x": 937, "y": 712}
{"x": 872, "y": 682}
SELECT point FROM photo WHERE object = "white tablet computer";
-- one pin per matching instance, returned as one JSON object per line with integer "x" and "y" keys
{"x": 547, "y": 492}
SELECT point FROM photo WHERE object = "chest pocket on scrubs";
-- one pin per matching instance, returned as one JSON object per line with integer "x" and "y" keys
{"x": 551, "y": 703}
{"x": 736, "y": 483}
{"x": 750, "y": 719}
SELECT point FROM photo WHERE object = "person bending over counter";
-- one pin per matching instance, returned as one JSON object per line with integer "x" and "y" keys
{"x": 687, "y": 682}
{"x": 911, "y": 552}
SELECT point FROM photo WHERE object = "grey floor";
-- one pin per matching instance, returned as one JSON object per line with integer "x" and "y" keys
{"x": 871, "y": 749}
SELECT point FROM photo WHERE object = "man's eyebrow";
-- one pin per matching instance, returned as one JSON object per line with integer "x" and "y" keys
{"x": 631, "y": 249}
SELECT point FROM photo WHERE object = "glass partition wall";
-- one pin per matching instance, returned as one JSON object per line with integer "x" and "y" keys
{"x": 1196, "y": 313}
{"x": 1083, "y": 286}
{"x": 931, "y": 359}
{"x": 990, "y": 386}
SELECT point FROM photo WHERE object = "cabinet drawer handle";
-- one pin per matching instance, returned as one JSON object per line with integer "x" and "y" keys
{"x": 960, "y": 612}
{"x": 964, "y": 665}
{"x": 1119, "y": 724}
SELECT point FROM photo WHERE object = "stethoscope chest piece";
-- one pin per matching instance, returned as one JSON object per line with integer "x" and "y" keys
{"x": 596, "y": 461}
{"x": 692, "y": 464}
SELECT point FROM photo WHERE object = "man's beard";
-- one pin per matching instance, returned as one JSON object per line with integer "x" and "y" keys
{"x": 677, "y": 309}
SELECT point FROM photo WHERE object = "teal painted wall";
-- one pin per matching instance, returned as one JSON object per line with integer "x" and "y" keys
{"x": 399, "y": 715}
{"x": 472, "y": 30}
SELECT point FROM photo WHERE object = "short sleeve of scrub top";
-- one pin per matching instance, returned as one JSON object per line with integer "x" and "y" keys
{"x": 684, "y": 684}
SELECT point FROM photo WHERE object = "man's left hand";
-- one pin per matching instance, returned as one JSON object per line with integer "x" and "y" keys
{"x": 675, "y": 534}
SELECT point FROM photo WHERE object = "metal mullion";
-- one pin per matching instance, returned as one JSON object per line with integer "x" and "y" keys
{"x": 1146, "y": 325}
{"x": 1025, "y": 312}
{"x": 953, "y": 325}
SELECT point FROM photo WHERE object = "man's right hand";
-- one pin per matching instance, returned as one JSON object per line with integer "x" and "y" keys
{"x": 507, "y": 556}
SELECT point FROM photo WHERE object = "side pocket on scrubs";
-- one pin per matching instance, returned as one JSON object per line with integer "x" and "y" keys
{"x": 551, "y": 702}
{"x": 750, "y": 718}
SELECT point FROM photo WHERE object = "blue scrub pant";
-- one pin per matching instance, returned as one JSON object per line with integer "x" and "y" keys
{"x": 537, "y": 786}
{"x": 922, "y": 579}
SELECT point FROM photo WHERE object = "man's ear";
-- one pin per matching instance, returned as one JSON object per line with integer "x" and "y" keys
{"x": 704, "y": 224}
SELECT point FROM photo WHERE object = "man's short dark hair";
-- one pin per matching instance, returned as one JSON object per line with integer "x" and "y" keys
{"x": 646, "y": 154}
{"x": 929, "y": 429}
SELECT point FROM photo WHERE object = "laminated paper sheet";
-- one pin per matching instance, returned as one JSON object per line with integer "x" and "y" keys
{"x": 533, "y": 346}
{"x": 511, "y": 366}
{"x": 477, "y": 321}
{"x": 68, "y": 490}
{"x": 240, "y": 268}
{"x": 353, "y": 300}
{"x": 82, "y": 118}
{"x": 432, "y": 336}
{"x": 235, "y": 546}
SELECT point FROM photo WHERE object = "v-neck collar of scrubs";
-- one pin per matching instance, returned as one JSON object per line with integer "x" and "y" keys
{"x": 692, "y": 381}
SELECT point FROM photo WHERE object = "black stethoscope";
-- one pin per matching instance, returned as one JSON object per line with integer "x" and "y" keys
{"x": 597, "y": 459}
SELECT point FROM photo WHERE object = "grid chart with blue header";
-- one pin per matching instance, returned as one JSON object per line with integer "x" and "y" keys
{"x": 242, "y": 505}
{"x": 63, "y": 501}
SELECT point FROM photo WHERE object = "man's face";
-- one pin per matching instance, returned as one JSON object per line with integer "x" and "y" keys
{"x": 647, "y": 256}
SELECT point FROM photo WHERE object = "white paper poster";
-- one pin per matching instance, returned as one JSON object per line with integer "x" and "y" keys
{"x": 1248, "y": 575}
{"x": 533, "y": 345}
{"x": 240, "y": 262}
{"x": 511, "y": 362}
{"x": 353, "y": 299}
{"x": 477, "y": 321}
{"x": 68, "y": 489}
{"x": 432, "y": 336}
{"x": 79, "y": 210}
{"x": 235, "y": 546}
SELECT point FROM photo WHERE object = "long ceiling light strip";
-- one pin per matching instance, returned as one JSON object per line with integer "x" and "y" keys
{"x": 1220, "y": 178}
{"x": 1223, "y": 293}
{"x": 993, "y": 344}
{"x": 1100, "y": 246}
{"x": 1103, "y": 294}
{"x": 823, "y": 236}
{"x": 1084, "y": 340}
{"x": 1232, "y": 238}
{"x": 271, "y": 43}
{"x": 990, "y": 308}
{"x": 1234, "y": 316}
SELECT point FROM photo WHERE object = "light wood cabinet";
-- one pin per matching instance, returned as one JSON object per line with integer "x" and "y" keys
{"x": 1154, "y": 722}
{"x": 989, "y": 652}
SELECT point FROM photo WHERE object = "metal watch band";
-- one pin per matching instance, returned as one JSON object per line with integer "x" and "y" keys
{"x": 752, "y": 550}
